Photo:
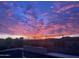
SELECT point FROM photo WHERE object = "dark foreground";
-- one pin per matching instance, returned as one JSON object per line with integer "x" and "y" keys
{"x": 65, "y": 47}
{"x": 20, "y": 53}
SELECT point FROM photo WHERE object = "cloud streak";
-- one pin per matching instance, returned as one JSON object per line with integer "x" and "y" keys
{"x": 27, "y": 18}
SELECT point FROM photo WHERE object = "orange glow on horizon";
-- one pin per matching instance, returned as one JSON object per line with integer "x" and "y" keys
{"x": 40, "y": 36}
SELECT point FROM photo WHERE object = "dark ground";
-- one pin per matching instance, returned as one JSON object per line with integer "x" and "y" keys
{"x": 19, "y": 53}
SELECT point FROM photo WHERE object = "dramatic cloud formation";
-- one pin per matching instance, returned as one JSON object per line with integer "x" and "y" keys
{"x": 39, "y": 18}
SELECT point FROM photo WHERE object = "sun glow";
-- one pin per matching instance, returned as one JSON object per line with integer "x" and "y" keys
{"x": 37, "y": 37}
{"x": 49, "y": 36}
{"x": 28, "y": 36}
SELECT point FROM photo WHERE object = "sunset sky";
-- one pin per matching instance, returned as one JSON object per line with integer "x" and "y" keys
{"x": 39, "y": 19}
